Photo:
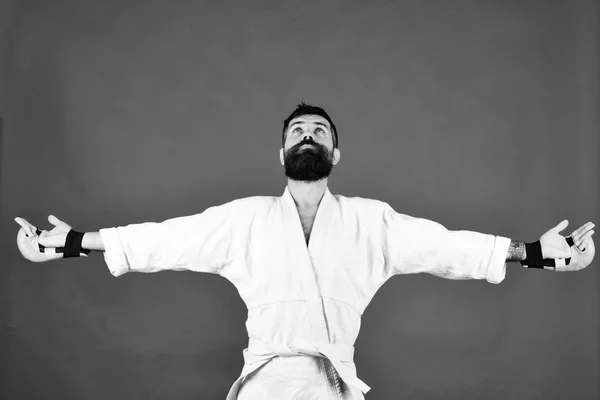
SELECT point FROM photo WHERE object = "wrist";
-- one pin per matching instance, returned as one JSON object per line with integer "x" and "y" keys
{"x": 92, "y": 241}
{"x": 535, "y": 258}
{"x": 541, "y": 247}
{"x": 516, "y": 251}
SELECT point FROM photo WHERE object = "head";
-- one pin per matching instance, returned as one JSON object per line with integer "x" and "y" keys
{"x": 309, "y": 144}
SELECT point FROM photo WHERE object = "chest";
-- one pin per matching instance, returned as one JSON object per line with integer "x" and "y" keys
{"x": 307, "y": 219}
{"x": 337, "y": 256}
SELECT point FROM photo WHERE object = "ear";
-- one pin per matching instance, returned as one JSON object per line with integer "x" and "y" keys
{"x": 336, "y": 156}
{"x": 281, "y": 156}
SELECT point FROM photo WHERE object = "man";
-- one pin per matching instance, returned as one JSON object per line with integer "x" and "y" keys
{"x": 307, "y": 263}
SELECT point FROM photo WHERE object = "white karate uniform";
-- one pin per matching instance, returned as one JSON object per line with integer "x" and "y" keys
{"x": 304, "y": 302}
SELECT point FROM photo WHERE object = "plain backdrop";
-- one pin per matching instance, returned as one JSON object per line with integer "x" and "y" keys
{"x": 480, "y": 115}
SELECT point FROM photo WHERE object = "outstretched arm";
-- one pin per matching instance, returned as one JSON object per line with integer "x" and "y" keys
{"x": 414, "y": 245}
{"x": 199, "y": 242}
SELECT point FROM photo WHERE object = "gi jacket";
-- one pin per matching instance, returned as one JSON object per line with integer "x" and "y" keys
{"x": 304, "y": 299}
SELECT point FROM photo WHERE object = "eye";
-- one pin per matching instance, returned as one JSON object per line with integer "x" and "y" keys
{"x": 297, "y": 130}
{"x": 320, "y": 130}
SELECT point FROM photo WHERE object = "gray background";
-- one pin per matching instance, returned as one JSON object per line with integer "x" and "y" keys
{"x": 481, "y": 115}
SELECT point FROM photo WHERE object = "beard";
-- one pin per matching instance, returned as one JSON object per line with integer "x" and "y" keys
{"x": 309, "y": 164}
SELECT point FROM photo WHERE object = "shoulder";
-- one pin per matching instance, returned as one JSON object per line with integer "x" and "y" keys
{"x": 371, "y": 210}
{"x": 252, "y": 204}
{"x": 362, "y": 205}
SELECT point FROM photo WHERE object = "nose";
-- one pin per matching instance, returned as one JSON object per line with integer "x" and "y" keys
{"x": 308, "y": 137}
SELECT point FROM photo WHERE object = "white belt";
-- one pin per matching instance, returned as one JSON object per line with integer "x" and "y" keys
{"x": 341, "y": 356}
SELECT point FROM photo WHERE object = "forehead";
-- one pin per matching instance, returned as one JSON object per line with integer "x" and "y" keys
{"x": 310, "y": 119}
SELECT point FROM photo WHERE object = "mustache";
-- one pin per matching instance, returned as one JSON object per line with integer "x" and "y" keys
{"x": 309, "y": 142}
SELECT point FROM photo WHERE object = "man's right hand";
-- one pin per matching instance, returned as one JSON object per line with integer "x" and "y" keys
{"x": 29, "y": 239}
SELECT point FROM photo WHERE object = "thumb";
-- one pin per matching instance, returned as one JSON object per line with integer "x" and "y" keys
{"x": 53, "y": 220}
{"x": 561, "y": 226}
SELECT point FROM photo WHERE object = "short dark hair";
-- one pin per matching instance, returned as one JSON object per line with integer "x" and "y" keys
{"x": 306, "y": 109}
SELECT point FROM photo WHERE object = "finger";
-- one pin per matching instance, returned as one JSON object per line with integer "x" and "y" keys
{"x": 582, "y": 230}
{"x": 584, "y": 238}
{"x": 579, "y": 234}
{"x": 562, "y": 225}
{"x": 24, "y": 223}
{"x": 29, "y": 229}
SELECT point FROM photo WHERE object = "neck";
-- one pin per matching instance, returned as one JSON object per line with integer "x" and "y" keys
{"x": 307, "y": 195}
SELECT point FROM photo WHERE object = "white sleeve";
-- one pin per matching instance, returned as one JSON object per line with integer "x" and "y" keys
{"x": 200, "y": 242}
{"x": 412, "y": 245}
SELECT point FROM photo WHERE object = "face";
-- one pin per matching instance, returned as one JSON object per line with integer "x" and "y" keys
{"x": 308, "y": 154}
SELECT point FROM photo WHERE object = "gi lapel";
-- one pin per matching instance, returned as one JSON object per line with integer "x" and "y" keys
{"x": 310, "y": 255}
{"x": 321, "y": 223}
{"x": 321, "y": 339}
{"x": 318, "y": 235}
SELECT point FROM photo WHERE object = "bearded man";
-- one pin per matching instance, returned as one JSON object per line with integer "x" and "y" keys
{"x": 306, "y": 263}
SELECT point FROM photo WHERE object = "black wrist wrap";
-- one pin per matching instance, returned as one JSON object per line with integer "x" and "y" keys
{"x": 534, "y": 255}
{"x": 73, "y": 244}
